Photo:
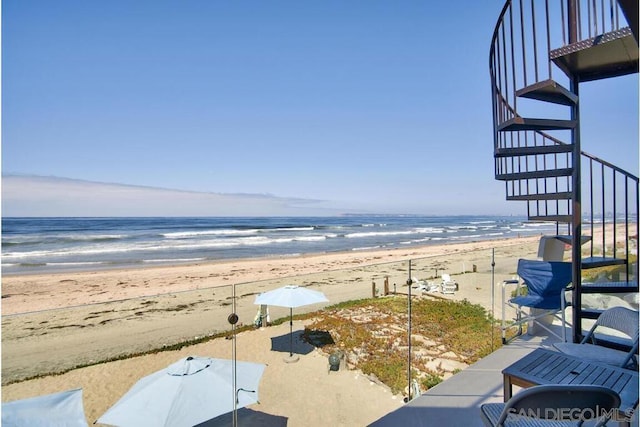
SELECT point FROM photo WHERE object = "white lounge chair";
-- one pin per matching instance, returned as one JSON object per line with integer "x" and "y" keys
{"x": 416, "y": 283}
{"x": 430, "y": 287}
{"x": 448, "y": 285}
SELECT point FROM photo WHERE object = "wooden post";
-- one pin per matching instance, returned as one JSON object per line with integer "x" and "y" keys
{"x": 386, "y": 286}
{"x": 373, "y": 289}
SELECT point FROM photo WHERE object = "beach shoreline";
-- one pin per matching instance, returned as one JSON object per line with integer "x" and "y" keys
{"x": 54, "y": 323}
{"x": 103, "y": 330}
{"x": 32, "y": 292}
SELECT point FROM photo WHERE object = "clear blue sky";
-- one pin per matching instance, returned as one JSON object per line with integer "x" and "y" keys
{"x": 374, "y": 106}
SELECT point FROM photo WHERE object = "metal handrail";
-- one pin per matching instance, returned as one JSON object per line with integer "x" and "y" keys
{"x": 523, "y": 37}
{"x": 526, "y": 32}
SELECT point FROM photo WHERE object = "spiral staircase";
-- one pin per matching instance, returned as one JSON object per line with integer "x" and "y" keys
{"x": 541, "y": 52}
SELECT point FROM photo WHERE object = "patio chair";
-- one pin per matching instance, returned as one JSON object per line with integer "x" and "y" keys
{"x": 619, "y": 319}
{"x": 448, "y": 285}
{"x": 430, "y": 287}
{"x": 546, "y": 283}
{"x": 554, "y": 405}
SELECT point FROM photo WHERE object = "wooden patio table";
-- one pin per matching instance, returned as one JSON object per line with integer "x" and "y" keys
{"x": 543, "y": 366}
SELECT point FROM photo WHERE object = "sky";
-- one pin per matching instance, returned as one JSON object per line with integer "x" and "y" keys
{"x": 303, "y": 107}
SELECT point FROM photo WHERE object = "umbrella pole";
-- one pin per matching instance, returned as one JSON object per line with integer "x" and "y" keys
{"x": 291, "y": 358}
{"x": 409, "y": 282}
{"x": 290, "y": 332}
{"x": 234, "y": 420}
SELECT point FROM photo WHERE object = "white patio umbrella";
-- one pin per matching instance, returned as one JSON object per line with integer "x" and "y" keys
{"x": 189, "y": 392}
{"x": 57, "y": 409}
{"x": 290, "y": 296}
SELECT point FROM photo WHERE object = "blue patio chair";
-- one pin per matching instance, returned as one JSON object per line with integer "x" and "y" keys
{"x": 619, "y": 319}
{"x": 546, "y": 283}
{"x": 554, "y": 405}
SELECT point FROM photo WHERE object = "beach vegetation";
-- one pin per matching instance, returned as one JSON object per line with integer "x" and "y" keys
{"x": 372, "y": 335}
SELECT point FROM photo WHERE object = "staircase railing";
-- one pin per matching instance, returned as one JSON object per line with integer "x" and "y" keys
{"x": 527, "y": 30}
{"x": 593, "y": 18}
{"x": 610, "y": 200}
{"x": 519, "y": 57}
{"x": 537, "y": 160}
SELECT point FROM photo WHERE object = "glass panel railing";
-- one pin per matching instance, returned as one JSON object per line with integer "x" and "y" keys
{"x": 106, "y": 331}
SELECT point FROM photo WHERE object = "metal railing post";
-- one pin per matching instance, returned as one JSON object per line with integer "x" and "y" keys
{"x": 572, "y": 15}
{"x": 576, "y": 218}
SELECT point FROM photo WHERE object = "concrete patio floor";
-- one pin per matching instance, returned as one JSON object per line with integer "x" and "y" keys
{"x": 456, "y": 401}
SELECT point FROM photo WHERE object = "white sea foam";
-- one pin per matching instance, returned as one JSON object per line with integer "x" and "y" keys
{"x": 367, "y": 248}
{"x": 462, "y": 227}
{"x": 68, "y": 264}
{"x": 378, "y": 233}
{"x": 225, "y": 232}
{"x": 429, "y": 230}
{"x": 292, "y": 229}
{"x": 309, "y": 238}
{"x": 467, "y": 236}
{"x": 173, "y": 260}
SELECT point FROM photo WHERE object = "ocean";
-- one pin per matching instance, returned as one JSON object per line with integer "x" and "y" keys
{"x": 36, "y": 245}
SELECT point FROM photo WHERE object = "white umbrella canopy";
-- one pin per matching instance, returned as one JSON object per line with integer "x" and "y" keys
{"x": 57, "y": 409}
{"x": 188, "y": 392}
{"x": 290, "y": 296}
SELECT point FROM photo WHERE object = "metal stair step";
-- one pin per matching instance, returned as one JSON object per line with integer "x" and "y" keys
{"x": 594, "y": 262}
{"x": 607, "y": 55}
{"x": 549, "y": 91}
{"x": 609, "y": 287}
{"x": 533, "y": 150}
{"x": 551, "y": 218}
{"x": 548, "y": 173}
{"x": 591, "y": 313}
{"x": 521, "y": 123}
{"x": 565, "y": 195}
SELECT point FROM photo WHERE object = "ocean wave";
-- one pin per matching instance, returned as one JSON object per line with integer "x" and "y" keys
{"x": 76, "y": 263}
{"x": 378, "y": 233}
{"x": 225, "y": 232}
{"x": 290, "y": 229}
{"x": 60, "y": 239}
{"x": 309, "y": 238}
{"x": 173, "y": 260}
{"x": 426, "y": 239}
{"x": 367, "y": 248}
{"x": 538, "y": 224}
{"x": 112, "y": 242}
{"x": 467, "y": 236}
{"x": 429, "y": 230}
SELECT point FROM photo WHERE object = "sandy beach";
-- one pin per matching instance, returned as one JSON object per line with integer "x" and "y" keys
{"x": 53, "y": 323}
